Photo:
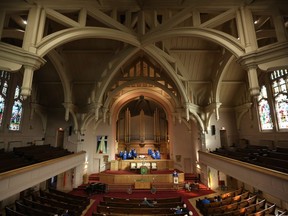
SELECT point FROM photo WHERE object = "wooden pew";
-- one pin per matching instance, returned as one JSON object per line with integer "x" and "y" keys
{"x": 93, "y": 188}
{"x": 255, "y": 207}
{"x": 284, "y": 213}
{"x": 81, "y": 203}
{"x": 278, "y": 155}
{"x": 115, "y": 214}
{"x": 204, "y": 208}
{"x": 12, "y": 212}
{"x": 267, "y": 211}
{"x": 40, "y": 206}
{"x": 83, "y": 199}
{"x": 226, "y": 196}
{"x": 274, "y": 163}
{"x": 229, "y": 207}
{"x": 139, "y": 200}
{"x": 27, "y": 210}
{"x": 244, "y": 207}
{"x": 13, "y": 163}
{"x": 73, "y": 209}
{"x": 141, "y": 205}
{"x": 133, "y": 211}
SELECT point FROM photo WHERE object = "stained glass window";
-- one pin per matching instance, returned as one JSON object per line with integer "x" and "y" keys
{"x": 4, "y": 79}
{"x": 2, "y": 107}
{"x": 279, "y": 87}
{"x": 264, "y": 110}
{"x": 17, "y": 111}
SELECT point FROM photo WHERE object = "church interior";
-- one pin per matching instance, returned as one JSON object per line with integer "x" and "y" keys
{"x": 142, "y": 95}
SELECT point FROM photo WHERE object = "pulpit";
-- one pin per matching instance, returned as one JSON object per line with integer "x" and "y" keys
{"x": 144, "y": 170}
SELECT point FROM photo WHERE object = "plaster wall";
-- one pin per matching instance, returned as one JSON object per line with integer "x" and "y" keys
{"x": 227, "y": 120}
{"x": 249, "y": 129}
{"x": 56, "y": 120}
{"x": 31, "y": 131}
{"x": 182, "y": 142}
{"x": 95, "y": 160}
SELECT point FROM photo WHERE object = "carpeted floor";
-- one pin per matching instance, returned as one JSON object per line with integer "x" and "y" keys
{"x": 187, "y": 197}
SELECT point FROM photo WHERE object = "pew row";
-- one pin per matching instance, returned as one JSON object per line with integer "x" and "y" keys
{"x": 139, "y": 200}
{"x": 230, "y": 207}
{"x": 141, "y": 205}
{"x": 134, "y": 211}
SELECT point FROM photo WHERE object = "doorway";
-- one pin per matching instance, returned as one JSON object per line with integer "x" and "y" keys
{"x": 223, "y": 138}
{"x": 60, "y": 138}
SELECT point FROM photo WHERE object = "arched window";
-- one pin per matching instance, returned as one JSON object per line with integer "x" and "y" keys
{"x": 279, "y": 87}
{"x": 10, "y": 100}
{"x": 17, "y": 111}
{"x": 4, "y": 84}
{"x": 264, "y": 110}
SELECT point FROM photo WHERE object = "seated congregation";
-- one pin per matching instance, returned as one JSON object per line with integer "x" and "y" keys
{"x": 237, "y": 203}
{"x": 142, "y": 206}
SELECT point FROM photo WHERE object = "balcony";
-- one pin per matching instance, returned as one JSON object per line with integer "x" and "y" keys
{"x": 267, "y": 180}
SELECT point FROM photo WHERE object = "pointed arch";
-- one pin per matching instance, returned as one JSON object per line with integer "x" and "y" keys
{"x": 61, "y": 37}
{"x": 223, "y": 70}
{"x": 56, "y": 60}
{"x": 223, "y": 39}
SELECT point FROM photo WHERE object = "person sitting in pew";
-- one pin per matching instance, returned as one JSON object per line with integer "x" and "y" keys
{"x": 66, "y": 213}
{"x": 205, "y": 201}
{"x": 190, "y": 213}
{"x": 219, "y": 198}
{"x": 178, "y": 210}
{"x": 187, "y": 186}
{"x": 185, "y": 210}
{"x": 146, "y": 202}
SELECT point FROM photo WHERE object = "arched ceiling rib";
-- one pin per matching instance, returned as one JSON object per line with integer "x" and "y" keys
{"x": 189, "y": 55}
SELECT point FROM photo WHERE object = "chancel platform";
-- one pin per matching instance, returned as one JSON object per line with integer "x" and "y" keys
{"x": 130, "y": 177}
{"x": 129, "y": 172}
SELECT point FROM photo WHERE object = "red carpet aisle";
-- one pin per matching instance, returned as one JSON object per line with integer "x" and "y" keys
{"x": 145, "y": 193}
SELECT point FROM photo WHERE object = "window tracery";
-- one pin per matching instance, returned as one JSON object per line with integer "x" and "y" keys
{"x": 4, "y": 80}
{"x": 17, "y": 109}
{"x": 264, "y": 110}
{"x": 279, "y": 98}
{"x": 7, "y": 85}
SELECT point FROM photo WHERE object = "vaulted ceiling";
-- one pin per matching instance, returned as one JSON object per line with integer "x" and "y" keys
{"x": 199, "y": 62}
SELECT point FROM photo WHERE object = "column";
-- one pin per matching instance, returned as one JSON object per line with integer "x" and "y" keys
{"x": 97, "y": 107}
{"x": 253, "y": 81}
{"x": 127, "y": 126}
{"x": 248, "y": 29}
{"x": 31, "y": 29}
{"x": 280, "y": 30}
{"x": 27, "y": 82}
{"x": 142, "y": 126}
{"x": 156, "y": 126}
{"x": 2, "y": 20}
